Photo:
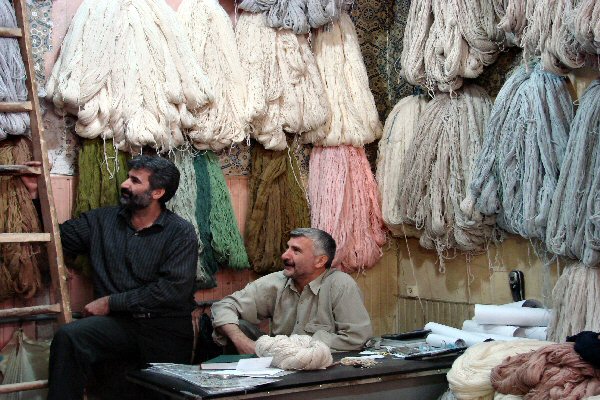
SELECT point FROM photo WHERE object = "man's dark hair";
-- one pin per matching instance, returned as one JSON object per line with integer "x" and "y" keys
{"x": 164, "y": 174}
{"x": 323, "y": 243}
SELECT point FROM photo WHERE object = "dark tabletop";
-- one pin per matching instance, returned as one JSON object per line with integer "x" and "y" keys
{"x": 336, "y": 373}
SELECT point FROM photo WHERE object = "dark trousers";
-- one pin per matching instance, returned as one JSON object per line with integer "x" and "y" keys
{"x": 79, "y": 347}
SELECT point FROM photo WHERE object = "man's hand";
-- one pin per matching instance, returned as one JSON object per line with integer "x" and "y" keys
{"x": 97, "y": 307}
{"x": 31, "y": 181}
{"x": 243, "y": 343}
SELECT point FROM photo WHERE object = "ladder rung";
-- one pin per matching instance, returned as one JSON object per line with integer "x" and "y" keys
{"x": 19, "y": 106}
{"x": 19, "y": 387}
{"x": 24, "y": 237}
{"x": 17, "y": 169}
{"x": 11, "y": 32}
{"x": 33, "y": 310}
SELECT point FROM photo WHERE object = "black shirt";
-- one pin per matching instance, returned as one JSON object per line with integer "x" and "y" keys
{"x": 147, "y": 271}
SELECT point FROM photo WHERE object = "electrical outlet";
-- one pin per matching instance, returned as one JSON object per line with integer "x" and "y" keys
{"x": 412, "y": 291}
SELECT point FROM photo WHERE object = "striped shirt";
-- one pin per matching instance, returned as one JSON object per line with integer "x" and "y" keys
{"x": 147, "y": 271}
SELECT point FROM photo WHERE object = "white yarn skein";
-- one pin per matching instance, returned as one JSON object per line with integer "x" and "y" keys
{"x": 295, "y": 352}
{"x": 212, "y": 37}
{"x": 127, "y": 71}
{"x": 469, "y": 377}
{"x": 418, "y": 26}
{"x": 400, "y": 128}
{"x": 354, "y": 119}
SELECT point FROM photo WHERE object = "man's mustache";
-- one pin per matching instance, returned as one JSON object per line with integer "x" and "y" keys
{"x": 126, "y": 192}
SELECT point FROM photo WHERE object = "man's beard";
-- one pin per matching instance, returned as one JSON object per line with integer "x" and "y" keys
{"x": 135, "y": 201}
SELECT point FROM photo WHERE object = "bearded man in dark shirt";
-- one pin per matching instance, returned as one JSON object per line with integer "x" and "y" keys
{"x": 143, "y": 259}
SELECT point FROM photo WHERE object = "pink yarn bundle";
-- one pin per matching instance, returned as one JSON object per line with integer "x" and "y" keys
{"x": 344, "y": 202}
{"x": 551, "y": 372}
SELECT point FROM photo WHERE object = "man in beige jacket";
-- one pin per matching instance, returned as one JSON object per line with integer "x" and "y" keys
{"x": 306, "y": 298}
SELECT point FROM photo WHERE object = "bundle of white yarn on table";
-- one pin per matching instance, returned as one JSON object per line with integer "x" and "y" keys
{"x": 297, "y": 352}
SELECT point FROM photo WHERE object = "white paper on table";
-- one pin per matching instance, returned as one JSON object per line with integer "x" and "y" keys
{"x": 470, "y": 338}
{"x": 253, "y": 364}
{"x": 435, "y": 340}
{"x": 535, "y": 332}
{"x": 502, "y": 330}
{"x": 502, "y": 315}
{"x": 263, "y": 372}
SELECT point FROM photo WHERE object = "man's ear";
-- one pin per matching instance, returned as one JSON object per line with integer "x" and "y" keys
{"x": 158, "y": 193}
{"x": 321, "y": 261}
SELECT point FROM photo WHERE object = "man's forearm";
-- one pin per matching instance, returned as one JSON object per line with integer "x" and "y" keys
{"x": 242, "y": 343}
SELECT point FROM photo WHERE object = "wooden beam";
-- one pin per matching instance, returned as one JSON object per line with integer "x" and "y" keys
{"x": 33, "y": 310}
{"x": 18, "y": 169}
{"x": 19, "y": 387}
{"x": 10, "y": 32}
{"x": 22, "y": 106}
{"x": 25, "y": 237}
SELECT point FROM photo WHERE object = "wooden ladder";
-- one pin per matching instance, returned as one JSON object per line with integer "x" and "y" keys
{"x": 51, "y": 235}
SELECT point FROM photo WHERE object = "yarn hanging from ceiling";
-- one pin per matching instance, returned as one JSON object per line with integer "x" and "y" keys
{"x": 400, "y": 128}
{"x": 513, "y": 16}
{"x": 575, "y": 302}
{"x": 19, "y": 262}
{"x": 12, "y": 76}
{"x": 574, "y": 222}
{"x": 345, "y": 203}
{"x": 436, "y": 173}
{"x": 183, "y": 204}
{"x": 584, "y": 24}
{"x": 127, "y": 71}
{"x": 547, "y": 36}
{"x": 203, "y": 206}
{"x": 276, "y": 206}
{"x": 297, "y": 15}
{"x": 517, "y": 171}
{"x": 213, "y": 41}
{"x": 418, "y": 26}
{"x": 285, "y": 91}
{"x": 102, "y": 169}
{"x": 446, "y": 41}
{"x": 354, "y": 119}
{"x": 227, "y": 242}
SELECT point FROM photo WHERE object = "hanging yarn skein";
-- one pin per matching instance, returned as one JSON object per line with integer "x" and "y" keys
{"x": 345, "y": 203}
{"x": 517, "y": 171}
{"x": 297, "y": 15}
{"x": 574, "y": 302}
{"x": 436, "y": 172}
{"x": 12, "y": 76}
{"x": 19, "y": 262}
{"x": 295, "y": 352}
{"x": 398, "y": 132}
{"x": 183, "y": 204}
{"x": 512, "y": 16}
{"x": 276, "y": 206}
{"x": 418, "y": 26}
{"x": 574, "y": 216}
{"x": 285, "y": 91}
{"x": 213, "y": 41}
{"x": 584, "y": 24}
{"x": 127, "y": 71}
{"x": 354, "y": 119}
{"x": 227, "y": 242}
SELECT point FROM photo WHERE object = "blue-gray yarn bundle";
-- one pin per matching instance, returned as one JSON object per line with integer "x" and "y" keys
{"x": 574, "y": 223}
{"x": 517, "y": 170}
{"x": 12, "y": 76}
{"x": 297, "y": 15}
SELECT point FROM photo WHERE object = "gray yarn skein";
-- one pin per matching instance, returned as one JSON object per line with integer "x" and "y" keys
{"x": 12, "y": 77}
{"x": 574, "y": 223}
{"x": 525, "y": 142}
